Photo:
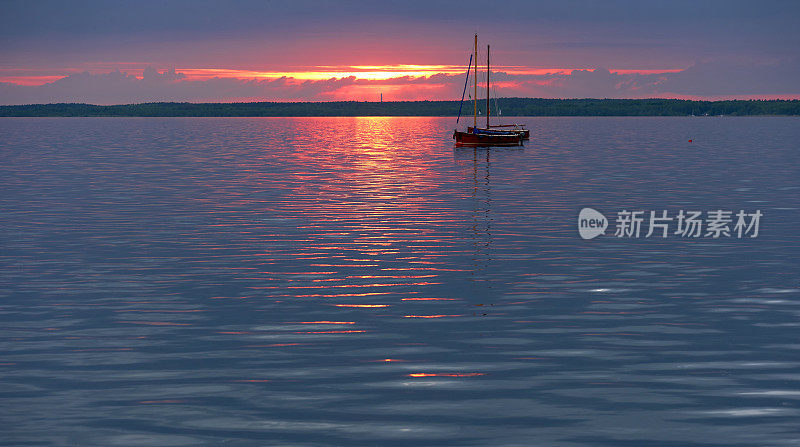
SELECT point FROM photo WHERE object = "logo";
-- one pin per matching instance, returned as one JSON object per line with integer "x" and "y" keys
{"x": 591, "y": 223}
{"x": 686, "y": 224}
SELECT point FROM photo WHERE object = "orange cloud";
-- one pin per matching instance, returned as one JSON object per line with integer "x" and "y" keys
{"x": 303, "y": 73}
{"x": 397, "y": 82}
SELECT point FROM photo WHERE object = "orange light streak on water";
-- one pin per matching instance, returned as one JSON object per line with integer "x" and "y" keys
{"x": 361, "y": 305}
{"x": 328, "y": 332}
{"x": 391, "y": 276}
{"x": 100, "y": 349}
{"x": 344, "y": 265}
{"x": 161, "y": 310}
{"x": 445, "y": 374}
{"x": 155, "y": 323}
{"x": 362, "y": 285}
{"x": 327, "y": 322}
{"x": 275, "y": 345}
{"x": 371, "y": 214}
{"x": 342, "y": 295}
{"x": 426, "y": 268}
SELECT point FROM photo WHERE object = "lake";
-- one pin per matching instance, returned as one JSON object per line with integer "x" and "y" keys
{"x": 361, "y": 281}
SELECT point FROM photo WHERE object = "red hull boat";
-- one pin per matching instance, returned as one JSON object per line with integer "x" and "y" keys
{"x": 476, "y": 136}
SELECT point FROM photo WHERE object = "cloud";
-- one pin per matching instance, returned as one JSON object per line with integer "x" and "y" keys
{"x": 150, "y": 74}
{"x": 707, "y": 79}
{"x": 731, "y": 77}
{"x": 597, "y": 83}
{"x": 702, "y": 80}
{"x": 117, "y": 87}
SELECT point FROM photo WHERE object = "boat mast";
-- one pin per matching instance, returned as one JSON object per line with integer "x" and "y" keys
{"x": 475, "y": 96}
{"x": 487, "y": 86}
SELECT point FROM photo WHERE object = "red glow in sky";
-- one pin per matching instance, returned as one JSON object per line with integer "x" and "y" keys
{"x": 261, "y": 51}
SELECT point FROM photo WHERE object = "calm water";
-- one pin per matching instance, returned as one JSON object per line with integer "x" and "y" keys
{"x": 359, "y": 281}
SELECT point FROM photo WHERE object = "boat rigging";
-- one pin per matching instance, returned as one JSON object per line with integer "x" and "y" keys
{"x": 489, "y": 135}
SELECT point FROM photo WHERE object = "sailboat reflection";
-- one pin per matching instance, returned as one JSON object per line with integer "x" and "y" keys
{"x": 481, "y": 201}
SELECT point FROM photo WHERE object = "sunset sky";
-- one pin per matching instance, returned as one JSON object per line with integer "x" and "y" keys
{"x": 109, "y": 52}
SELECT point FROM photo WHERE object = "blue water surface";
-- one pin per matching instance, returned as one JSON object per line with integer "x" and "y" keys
{"x": 362, "y": 282}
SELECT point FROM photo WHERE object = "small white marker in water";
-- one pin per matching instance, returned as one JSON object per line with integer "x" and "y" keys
{"x": 591, "y": 223}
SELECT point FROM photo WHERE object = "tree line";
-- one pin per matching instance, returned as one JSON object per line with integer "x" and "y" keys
{"x": 506, "y": 106}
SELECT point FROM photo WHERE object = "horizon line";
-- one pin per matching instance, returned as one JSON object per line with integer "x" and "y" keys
{"x": 654, "y": 98}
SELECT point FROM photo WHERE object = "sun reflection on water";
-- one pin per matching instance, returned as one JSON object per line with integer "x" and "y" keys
{"x": 353, "y": 280}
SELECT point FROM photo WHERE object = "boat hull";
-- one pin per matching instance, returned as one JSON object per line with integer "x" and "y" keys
{"x": 487, "y": 138}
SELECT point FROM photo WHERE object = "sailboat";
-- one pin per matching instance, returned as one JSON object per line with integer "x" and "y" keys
{"x": 519, "y": 128}
{"x": 485, "y": 136}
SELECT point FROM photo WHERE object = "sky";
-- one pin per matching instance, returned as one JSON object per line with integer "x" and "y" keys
{"x": 115, "y": 52}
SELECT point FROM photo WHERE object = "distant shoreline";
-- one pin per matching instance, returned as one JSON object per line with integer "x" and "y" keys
{"x": 508, "y": 107}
